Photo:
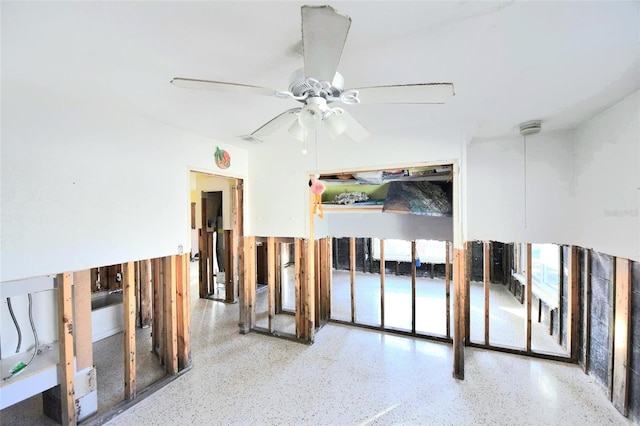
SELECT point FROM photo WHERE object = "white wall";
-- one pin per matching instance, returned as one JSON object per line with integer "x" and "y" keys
{"x": 390, "y": 226}
{"x": 582, "y": 185}
{"x": 278, "y": 194}
{"x": 86, "y": 185}
{"x": 496, "y": 189}
{"x": 607, "y": 176}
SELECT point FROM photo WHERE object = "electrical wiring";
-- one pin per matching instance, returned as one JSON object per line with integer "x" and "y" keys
{"x": 15, "y": 322}
{"x": 21, "y": 366}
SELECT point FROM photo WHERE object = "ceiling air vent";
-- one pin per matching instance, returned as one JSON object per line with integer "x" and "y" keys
{"x": 251, "y": 139}
{"x": 530, "y": 127}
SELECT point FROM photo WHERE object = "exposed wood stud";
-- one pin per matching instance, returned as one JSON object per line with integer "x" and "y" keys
{"x": 230, "y": 251}
{"x": 622, "y": 336}
{"x": 202, "y": 264}
{"x": 317, "y": 278}
{"x": 170, "y": 315}
{"x": 278, "y": 276}
{"x": 487, "y": 287}
{"x": 458, "y": 312}
{"x": 447, "y": 286}
{"x": 95, "y": 274}
{"x": 298, "y": 273}
{"x": 158, "y": 310}
{"x": 308, "y": 292}
{"x": 611, "y": 328}
{"x": 211, "y": 273}
{"x": 248, "y": 268}
{"x": 466, "y": 288}
{"x": 325, "y": 279}
{"x": 65, "y": 340}
{"x": 561, "y": 324}
{"x": 237, "y": 219}
{"x": 587, "y": 309}
{"x": 136, "y": 275}
{"x": 242, "y": 306}
{"x": 382, "y": 275}
{"x": 251, "y": 281}
{"x": 573, "y": 304}
{"x": 271, "y": 282}
{"x": 82, "y": 315}
{"x": 182, "y": 310}
{"x": 352, "y": 274}
{"x": 413, "y": 286}
{"x": 129, "y": 312}
{"x": 528, "y": 284}
{"x": 145, "y": 293}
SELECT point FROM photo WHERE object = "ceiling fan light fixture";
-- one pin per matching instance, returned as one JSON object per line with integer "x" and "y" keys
{"x": 336, "y": 125}
{"x": 311, "y": 115}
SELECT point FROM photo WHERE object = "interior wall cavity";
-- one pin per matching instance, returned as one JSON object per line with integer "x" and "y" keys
{"x": 607, "y": 176}
{"x": 87, "y": 185}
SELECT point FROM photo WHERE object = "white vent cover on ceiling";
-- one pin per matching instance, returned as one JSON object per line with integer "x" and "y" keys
{"x": 530, "y": 127}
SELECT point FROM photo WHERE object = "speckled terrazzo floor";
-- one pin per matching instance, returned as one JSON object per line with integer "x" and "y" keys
{"x": 360, "y": 377}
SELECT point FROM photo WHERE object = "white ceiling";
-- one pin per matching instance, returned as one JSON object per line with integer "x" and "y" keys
{"x": 561, "y": 62}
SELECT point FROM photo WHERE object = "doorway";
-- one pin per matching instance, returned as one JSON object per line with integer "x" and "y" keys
{"x": 216, "y": 224}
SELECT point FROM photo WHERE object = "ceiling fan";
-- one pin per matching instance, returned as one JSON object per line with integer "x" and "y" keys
{"x": 318, "y": 84}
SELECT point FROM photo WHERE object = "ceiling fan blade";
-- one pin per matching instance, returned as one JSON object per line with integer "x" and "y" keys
{"x": 324, "y": 32}
{"x": 355, "y": 130}
{"x": 424, "y": 93}
{"x": 281, "y": 120}
{"x": 191, "y": 83}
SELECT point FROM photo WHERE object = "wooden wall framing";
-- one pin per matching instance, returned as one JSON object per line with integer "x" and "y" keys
{"x": 622, "y": 336}
{"x": 129, "y": 335}
{"x": 528, "y": 292}
{"x": 168, "y": 310}
{"x": 486, "y": 263}
{"x": 352, "y": 276}
{"x": 65, "y": 340}
{"x": 82, "y": 319}
{"x": 413, "y": 286}
{"x": 382, "y": 277}
{"x": 459, "y": 310}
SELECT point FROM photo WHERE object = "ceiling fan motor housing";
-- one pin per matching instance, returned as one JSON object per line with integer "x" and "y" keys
{"x": 303, "y": 86}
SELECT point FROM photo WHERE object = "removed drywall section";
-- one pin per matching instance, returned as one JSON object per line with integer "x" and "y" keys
{"x": 607, "y": 178}
{"x": 601, "y": 315}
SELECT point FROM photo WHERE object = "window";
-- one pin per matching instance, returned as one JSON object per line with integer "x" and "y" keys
{"x": 545, "y": 264}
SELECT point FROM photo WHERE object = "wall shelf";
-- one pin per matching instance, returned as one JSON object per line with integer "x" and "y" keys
{"x": 351, "y": 208}
{"x": 41, "y": 375}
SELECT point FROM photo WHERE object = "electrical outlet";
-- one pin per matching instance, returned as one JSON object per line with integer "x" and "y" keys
{"x": 180, "y": 249}
{"x": 118, "y": 277}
